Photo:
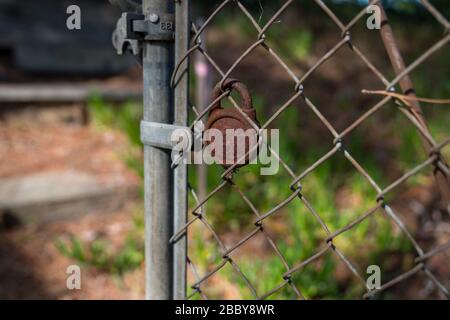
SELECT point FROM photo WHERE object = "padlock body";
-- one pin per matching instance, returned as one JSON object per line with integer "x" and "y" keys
{"x": 236, "y": 143}
{"x": 237, "y": 137}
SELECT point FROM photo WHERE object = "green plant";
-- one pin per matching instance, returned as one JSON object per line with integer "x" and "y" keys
{"x": 337, "y": 192}
{"x": 126, "y": 119}
{"x": 102, "y": 255}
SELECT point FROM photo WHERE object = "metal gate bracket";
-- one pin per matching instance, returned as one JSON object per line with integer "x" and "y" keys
{"x": 132, "y": 28}
{"x": 154, "y": 27}
{"x": 162, "y": 135}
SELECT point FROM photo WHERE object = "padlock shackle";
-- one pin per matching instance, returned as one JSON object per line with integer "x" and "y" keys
{"x": 233, "y": 84}
{"x": 231, "y": 118}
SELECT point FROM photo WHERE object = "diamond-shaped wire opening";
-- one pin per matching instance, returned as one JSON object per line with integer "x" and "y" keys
{"x": 393, "y": 152}
{"x": 222, "y": 285}
{"x": 257, "y": 260}
{"x": 368, "y": 233}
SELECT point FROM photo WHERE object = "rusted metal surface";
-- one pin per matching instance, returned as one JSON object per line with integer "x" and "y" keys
{"x": 232, "y": 125}
{"x": 406, "y": 85}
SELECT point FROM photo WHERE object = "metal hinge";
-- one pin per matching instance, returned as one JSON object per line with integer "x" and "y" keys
{"x": 132, "y": 28}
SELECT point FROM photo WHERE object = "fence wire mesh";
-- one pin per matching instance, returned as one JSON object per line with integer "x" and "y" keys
{"x": 393, "y": 94}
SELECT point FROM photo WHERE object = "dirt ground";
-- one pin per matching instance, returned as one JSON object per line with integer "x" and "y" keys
{"x": 31, "y": 267}
{"x": 53, "y": 139}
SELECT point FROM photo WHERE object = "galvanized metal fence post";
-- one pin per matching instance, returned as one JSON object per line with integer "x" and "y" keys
{"x": 181, "y": 92}
{"x": 157, "y": 63}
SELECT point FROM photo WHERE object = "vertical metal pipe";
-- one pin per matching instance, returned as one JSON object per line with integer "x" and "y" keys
{"x": 157, "y": 62}
{"x": 203, "y": 91}
{"x": 182, "y": 32}
{"x": 387, "y": 36}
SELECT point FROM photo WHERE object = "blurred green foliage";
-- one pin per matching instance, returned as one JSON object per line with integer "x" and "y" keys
{"x": 302, "y": 235}
{"x": 99, "y": 254}
{"x": 125, "y": 118}
{"x": 366, "y": 244}
{"x": 335, "y": 189}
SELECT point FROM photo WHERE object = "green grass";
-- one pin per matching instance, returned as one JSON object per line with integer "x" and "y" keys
{"x": 125, "y": 118}
{"x": 100, "y": 255}
{"x": 100, "y": 252}
{"x": 365, "y": 244}
{"x": 337, "y": 192}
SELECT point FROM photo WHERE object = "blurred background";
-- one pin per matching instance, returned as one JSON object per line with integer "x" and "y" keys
{"x": 71, "y": 159}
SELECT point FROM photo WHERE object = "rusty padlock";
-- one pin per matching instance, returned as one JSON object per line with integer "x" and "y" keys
{"x": 224, "y": 119}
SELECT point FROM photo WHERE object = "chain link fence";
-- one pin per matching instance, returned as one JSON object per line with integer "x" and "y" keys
{"x": 397, "y": 92}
